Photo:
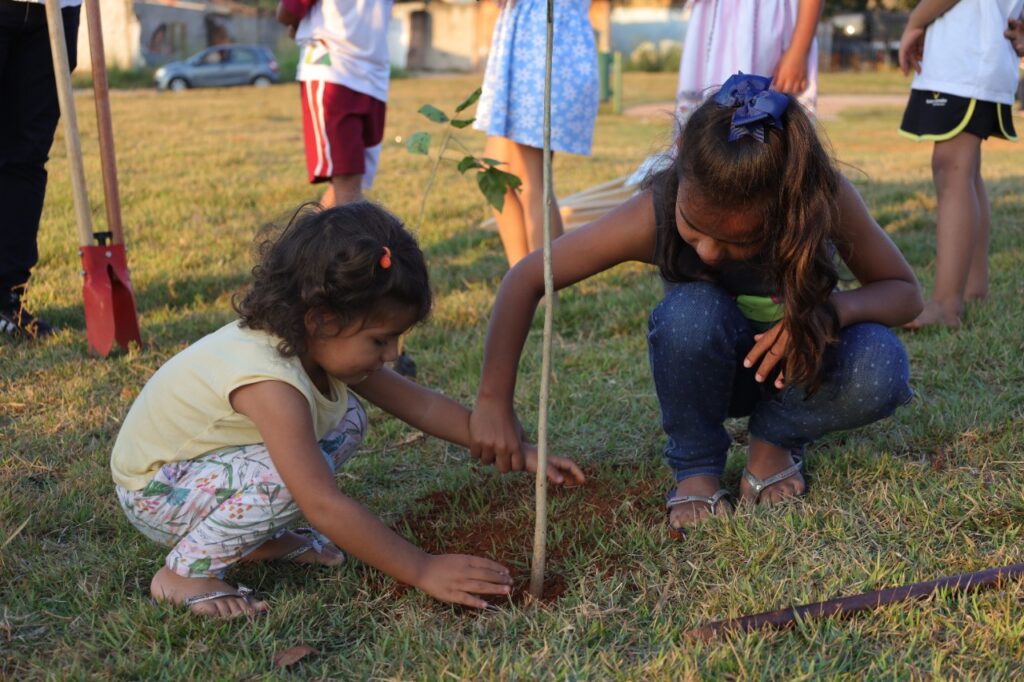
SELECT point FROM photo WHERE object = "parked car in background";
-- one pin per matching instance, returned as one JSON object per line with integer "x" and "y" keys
{"x": 220, "y": 66}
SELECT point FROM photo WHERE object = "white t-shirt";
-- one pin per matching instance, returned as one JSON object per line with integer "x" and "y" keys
{"x": 346, "y": 42}
{"x": 965, "y": 53}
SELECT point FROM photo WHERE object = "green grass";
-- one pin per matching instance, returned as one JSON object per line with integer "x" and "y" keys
{"x": 933, "y": 491}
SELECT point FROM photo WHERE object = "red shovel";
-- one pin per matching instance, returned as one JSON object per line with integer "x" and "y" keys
{"x": 109, "y": 300}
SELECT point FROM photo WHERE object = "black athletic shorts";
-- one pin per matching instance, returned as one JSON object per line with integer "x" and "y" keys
{"x": 937, "y": 116}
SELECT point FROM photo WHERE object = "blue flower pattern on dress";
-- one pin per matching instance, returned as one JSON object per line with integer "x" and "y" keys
{"x": 512, "y": 102}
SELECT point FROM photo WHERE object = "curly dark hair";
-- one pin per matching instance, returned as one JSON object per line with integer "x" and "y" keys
{"x": 329, "y": 261}
{"x": 792, "y": 179}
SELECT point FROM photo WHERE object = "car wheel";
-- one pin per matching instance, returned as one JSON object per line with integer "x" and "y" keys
{"x": 261, "y": 81}
{"x": 177, "y": 84}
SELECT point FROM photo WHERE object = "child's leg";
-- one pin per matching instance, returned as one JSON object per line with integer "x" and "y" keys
{"x": 955, "y": 164}
{"x": 977, "y": 276}
{"x": 218, "y": 509}
{"x": 866, "y": 379}
{"x": 343, "y": 189}
{"x": 520, "y": 223}
{"x": 511, "y": 225}
{"x": 697, "y": 339}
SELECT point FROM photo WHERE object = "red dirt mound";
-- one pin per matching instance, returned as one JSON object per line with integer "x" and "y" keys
{"x": 495, "y": 519}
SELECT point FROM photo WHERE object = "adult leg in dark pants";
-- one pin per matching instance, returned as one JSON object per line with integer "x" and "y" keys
{"x": 28, "y": 118}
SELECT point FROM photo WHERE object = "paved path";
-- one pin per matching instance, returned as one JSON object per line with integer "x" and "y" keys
{"x": 828, "y": 105}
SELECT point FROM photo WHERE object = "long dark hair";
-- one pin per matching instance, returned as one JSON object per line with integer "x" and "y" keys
{"x": 791, "y": 178}
{"x": 329, "y": 261}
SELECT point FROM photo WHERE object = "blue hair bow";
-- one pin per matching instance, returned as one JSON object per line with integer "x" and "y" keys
{"x": 756, "y": 106}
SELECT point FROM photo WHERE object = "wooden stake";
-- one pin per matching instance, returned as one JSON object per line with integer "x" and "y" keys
{"x": 540, "y": 529}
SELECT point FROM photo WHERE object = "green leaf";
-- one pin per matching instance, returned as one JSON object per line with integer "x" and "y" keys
{"x": 469, "y": 101}
{"x": 433, "y": 113}
{"x": 418, "y": 143}
{"x": 469, "y": 162}
{"x": 491, "y": 162}
{"x": 462, "y": 122}
{"x": 155, "y": 488}
{"x": 494, "y": 184}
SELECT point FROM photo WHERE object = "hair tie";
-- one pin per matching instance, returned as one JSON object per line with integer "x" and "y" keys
{"x": 756, "y": 106}
{"x": 385, "y": 260}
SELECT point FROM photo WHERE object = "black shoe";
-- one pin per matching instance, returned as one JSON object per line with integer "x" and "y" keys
{"x": 405, "y": 366}
{"x": 16, "y": 321}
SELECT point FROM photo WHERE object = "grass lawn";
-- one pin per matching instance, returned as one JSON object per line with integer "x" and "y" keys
{"x": 935, "y": 490}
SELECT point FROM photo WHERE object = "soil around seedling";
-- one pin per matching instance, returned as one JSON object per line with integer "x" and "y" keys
{"x": 495, "y": 519}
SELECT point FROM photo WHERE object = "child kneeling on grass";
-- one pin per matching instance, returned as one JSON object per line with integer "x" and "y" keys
{"x": 745, "y": 225}
{"x": 241, "y": 433}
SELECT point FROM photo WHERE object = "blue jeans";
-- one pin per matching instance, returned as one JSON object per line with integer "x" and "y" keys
{"x": 697, "y": 341}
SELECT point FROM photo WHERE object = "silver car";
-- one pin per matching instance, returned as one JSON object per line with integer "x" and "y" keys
{"x": 220, "y": 66}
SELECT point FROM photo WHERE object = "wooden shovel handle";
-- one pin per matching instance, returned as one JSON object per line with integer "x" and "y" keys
{"x": 101, "y": 93}
{"x": 66, "y": 97}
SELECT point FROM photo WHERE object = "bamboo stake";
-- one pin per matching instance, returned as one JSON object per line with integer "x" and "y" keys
{"x": 540, "y": 529}
{"x": 846, "y": 606}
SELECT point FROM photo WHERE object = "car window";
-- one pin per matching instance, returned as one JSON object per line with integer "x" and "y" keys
{"x": 214, "y": 57}
{"x": 243, "y": 56}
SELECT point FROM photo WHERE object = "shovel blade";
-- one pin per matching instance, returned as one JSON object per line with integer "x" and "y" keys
{"x": 109, "y": 299}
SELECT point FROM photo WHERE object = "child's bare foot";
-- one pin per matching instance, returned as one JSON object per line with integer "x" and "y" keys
{"x": 688, "y": 514}
{"x": 764, "y": 462}
{"x": 976, "y": 296}
{"x": 935, "y": 313}
{"x": 170, "y": 587}
{"x": 284, "y": 545}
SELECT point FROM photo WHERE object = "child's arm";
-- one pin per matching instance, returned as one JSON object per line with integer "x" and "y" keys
{"x": 791, "y": 71}
{"x": 442, "y": 417}
{"x": 1015, "y": 34}
{"x": 627, "y": 233}
{"x": 912, "y": 41}
{"x": 282, "y": 416}
{"x": 888, "y": 294}
{"x": 291, "y": 12}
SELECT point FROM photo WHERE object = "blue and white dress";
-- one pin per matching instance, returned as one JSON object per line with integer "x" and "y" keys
{"x": 512, "y": 103}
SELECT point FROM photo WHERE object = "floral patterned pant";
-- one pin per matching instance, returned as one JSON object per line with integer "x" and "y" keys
{"x": 214, "y": 510}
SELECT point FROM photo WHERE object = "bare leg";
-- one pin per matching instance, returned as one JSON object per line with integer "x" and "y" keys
{"x": 531, "y": 163}
{"x": 511, "y": 227}
{"x": 343, "y": 189}
{"x": 955, "y": 163}
{"x": 977, "y": 276}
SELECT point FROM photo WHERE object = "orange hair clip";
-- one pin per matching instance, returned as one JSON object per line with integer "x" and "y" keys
{"x": 385, "y": 260}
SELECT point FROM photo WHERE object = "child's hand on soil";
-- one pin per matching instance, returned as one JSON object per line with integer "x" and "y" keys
{"x": 458, "y": 579}
{"x": 772, "y": 345}
{"x": 561, "y": 470}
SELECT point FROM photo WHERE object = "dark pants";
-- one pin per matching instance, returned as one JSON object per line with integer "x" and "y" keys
{"x": 28, "y": 118}
{"x": 697, "y": 341}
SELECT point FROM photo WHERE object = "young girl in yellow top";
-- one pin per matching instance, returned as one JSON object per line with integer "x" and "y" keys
{"x": 744, "y": 225}
{"x": 239, "y": 434}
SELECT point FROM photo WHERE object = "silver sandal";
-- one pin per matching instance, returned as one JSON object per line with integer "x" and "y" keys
{"x": 241, "y": 591}
{"x": 316, "y": 542}
{"x": 676, "y": 500}
{"x": 759, "y": 484}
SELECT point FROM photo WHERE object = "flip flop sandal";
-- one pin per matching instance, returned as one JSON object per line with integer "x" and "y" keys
{"x": 316, "y": 542}
{"x": 241, "y": 591}
{"x": 758, "y": 485}
{"x": 674, "y": 500}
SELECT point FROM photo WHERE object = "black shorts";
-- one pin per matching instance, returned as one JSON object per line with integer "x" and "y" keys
{"x": 937, "y": 116}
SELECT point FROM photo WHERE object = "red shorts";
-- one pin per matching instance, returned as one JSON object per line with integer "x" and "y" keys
{"x": 339, "y": 126}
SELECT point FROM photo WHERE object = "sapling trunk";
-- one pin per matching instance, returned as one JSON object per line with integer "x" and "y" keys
{"x": 540, "y": 530}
